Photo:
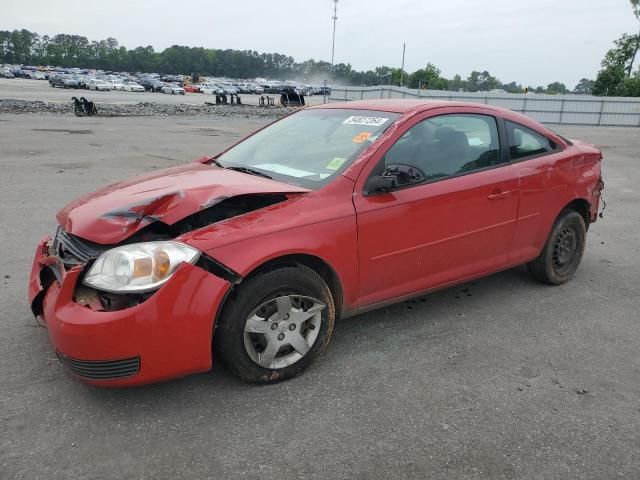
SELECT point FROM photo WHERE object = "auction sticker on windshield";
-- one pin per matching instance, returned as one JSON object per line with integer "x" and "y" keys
{"x": 336, "y": 163}
{"x": 283, "y": 169}
{"x": 368, "y": 121}
{"x": 361, "y": 137}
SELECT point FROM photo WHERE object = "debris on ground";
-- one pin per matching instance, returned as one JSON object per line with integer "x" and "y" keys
{"x": 146, "y": 109}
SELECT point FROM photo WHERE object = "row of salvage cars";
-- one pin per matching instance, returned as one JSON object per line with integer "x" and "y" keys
{"x": 93, "y": 83}
{"x": 334, "y": 210}
{"x": 173, "y": 84}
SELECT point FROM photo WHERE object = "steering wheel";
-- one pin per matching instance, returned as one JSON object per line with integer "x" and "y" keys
{"x": 405, "y": 174}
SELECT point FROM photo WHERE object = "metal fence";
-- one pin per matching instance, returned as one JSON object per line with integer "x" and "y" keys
{"x": 555, "y": 109}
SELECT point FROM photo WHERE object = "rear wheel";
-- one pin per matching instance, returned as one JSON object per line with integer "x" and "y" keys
{"x": 563, "y": 251}
{"x": 276, "y": 326}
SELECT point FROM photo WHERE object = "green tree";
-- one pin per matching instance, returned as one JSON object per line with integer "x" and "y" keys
{"x": 457, "y": 83}
{"x": 512, "y": 87}
{"x": 584, "y": 87}
{"x": 616, "y": 66}
{"x": 632, "y": 85}
{"x": 428, "y": 77}
{"x": 482, "y": 82}
{"x": 557, "y": 88}
{"x": 610, "y": 81}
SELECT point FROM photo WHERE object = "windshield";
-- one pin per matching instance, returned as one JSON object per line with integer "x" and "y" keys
{"x": 308, "y": 148}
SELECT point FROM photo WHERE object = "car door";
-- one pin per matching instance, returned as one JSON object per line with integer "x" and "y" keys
{"x": 538, "y": 162}
{"x": 452, "y": 213}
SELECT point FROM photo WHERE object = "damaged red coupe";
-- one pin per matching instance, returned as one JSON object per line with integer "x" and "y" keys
{"x": 329, "y": 212}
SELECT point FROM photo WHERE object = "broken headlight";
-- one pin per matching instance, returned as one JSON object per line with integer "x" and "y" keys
{"x": 139, "y": 267}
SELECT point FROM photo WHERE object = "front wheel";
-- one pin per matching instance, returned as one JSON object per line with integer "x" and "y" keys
{"x": 275, "y": 325}
{"x": 562, "y": 253}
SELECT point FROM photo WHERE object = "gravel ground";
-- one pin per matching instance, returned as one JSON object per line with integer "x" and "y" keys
{"x": 145, "y": 109}
{"x": 502, "y": 378}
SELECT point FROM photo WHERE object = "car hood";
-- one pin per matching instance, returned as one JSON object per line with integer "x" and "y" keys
{"x": 114, "y": 213}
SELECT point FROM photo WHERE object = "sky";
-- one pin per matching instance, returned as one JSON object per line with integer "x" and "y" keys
{"x": 531, "y": 42}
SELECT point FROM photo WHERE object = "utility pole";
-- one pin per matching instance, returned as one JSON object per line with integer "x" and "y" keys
{"x": 333, "y": 43}
{"x": 404, "y": 46}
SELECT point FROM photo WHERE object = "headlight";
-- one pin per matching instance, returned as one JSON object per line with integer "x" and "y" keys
{"x": 139, "y": 267}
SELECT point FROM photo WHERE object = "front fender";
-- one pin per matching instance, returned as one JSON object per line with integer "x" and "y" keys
{"x": 322, "y": 224}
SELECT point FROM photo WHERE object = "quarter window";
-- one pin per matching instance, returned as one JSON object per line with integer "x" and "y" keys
{"x": 524, "y": 142}
{"x": 444, "y": 146}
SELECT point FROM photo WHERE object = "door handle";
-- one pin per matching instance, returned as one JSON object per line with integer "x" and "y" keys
{"x": 499, "y": 194}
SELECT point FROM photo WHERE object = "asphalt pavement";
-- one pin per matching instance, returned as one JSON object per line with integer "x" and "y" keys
{"x": 500, "y": 378}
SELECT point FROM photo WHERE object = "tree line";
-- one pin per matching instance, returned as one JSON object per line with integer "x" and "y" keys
{"x": 29, "y": 48}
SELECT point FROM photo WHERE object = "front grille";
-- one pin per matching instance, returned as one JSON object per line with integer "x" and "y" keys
{"x": 74, "y": 250}
{"x": 101, "y": 369}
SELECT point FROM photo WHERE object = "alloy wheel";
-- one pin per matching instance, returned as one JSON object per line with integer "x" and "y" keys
{"x": 281, "y": 330}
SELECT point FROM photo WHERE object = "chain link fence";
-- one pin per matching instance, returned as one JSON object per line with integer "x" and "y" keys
{"x": 554, "y": 109}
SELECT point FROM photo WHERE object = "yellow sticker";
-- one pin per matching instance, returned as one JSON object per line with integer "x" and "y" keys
{"x": 336, "y": 163}
{"x": 361, "y": 137}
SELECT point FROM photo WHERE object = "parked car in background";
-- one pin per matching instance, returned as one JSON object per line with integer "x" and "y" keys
{"x": 116, "y": 84}
{"x": 6, "y": 73}
{"x": 273, "y": 88}
{"x": 228, "y": 89}
{"x": 171, "y": 79}
{"x": 35, "y": 75}
{"x": 245, "y": 88}
{"x": 191, "y": 88}
{"x": 64, "y": 81}
{"x": 157, "y": 86}
{"x": 82, "y": 81}
{"x": 132, "y": 87}
{"x": 22, "y": 73}
{"x": 260, "y": 249}
{"x": 211, "y": 89}
{"x": 99, "y": 85}
{"x": 152, "y": 84}
{"x": 173, "y": 89}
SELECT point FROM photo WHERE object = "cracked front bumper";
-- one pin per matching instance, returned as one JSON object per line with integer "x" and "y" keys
{"x": 170, "y": 333}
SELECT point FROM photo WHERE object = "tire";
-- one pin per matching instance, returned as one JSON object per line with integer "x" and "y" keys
{"x": 240, "y": 350}
{"x": 563, "y": 250}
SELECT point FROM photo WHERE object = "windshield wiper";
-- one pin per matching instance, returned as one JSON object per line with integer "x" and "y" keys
{"x": 250, "y": 171}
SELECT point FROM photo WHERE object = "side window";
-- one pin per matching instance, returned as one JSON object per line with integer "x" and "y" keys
{"x": 443, "y": 146}
{"x": 524, "y": 142}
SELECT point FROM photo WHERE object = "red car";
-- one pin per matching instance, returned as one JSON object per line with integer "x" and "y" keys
{"x": 191, "y": 89}
{"x": 329, "y": 212}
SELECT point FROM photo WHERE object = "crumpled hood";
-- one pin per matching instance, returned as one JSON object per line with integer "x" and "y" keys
{"x": 117, "y": 211}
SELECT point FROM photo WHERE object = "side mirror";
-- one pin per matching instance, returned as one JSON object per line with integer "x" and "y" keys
{"x": 380, "y": 184}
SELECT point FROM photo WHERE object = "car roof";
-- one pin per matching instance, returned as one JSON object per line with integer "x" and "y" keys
{"x": 403, "y": 105}
{"x": 414, "y": 106}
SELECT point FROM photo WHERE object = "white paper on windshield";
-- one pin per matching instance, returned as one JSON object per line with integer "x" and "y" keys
{"x": 284, "y": 170}
{"x": 473, "y": 141}
{"x": 367, "y": 121}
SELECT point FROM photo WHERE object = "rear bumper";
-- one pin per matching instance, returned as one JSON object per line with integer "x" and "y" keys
{"x": 596, "y": 198}
{"x": 168, "y": 335}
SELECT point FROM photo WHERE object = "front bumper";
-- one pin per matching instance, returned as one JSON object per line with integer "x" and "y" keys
{"x": 168, "y": 335}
